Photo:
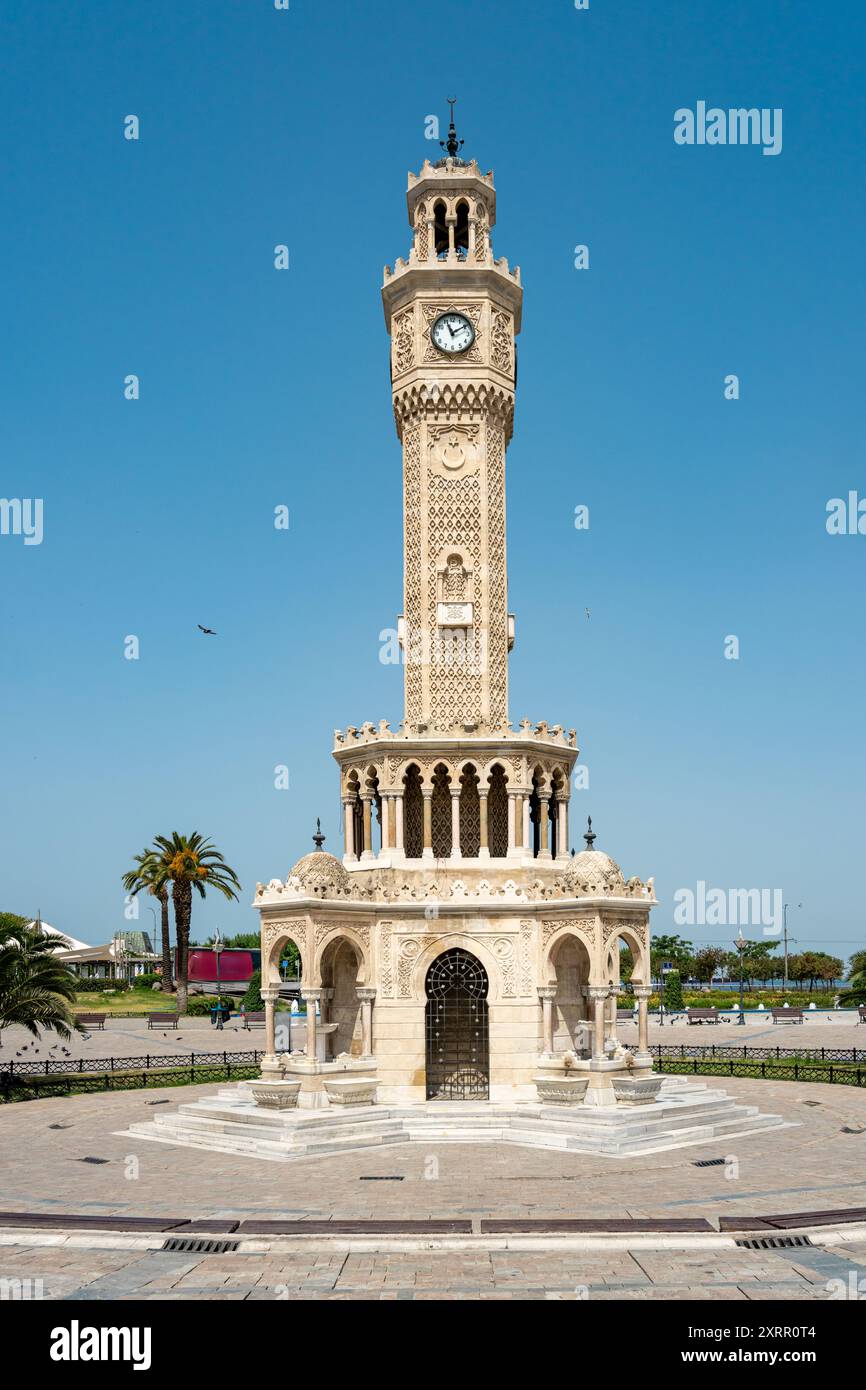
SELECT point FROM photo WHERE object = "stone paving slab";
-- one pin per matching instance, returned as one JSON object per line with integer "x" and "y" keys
{"x": 815, "y": 1166}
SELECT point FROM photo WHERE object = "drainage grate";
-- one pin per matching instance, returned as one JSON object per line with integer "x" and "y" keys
{"x": 90, "y": 1159}
{"x": 773, "y": 1242}
{"x": 708, "y": 1163}
{"x": 381, "y": 1177}
{"x": 191, "y": 1246}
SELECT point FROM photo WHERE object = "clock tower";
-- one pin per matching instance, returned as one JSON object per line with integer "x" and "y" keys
{"x": 453, "y": 313}
{"x": 456, "y": 945}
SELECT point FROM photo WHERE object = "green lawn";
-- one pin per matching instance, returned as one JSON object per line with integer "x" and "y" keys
{"x": 136, "y": 1001}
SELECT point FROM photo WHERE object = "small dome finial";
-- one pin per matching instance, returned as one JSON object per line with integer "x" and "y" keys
{"x": 452, "y": 145}
{"x": 589, "y": 836}
{"x": 318, "y": 838}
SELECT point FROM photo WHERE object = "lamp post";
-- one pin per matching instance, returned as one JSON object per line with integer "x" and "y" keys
{"x": 741, "y": 946}
{"x": 785, "y": 917}
{"x": 666, "y": 969}
{"x": 217, "y": 950}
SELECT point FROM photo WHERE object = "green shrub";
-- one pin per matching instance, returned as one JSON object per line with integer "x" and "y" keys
{"x": 673, "y": 990}
{"x": 253, "y": 1003}
{"x": 200, "y": 1005}
{"x": 147, "y": 981}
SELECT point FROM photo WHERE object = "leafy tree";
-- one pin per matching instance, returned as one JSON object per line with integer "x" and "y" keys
{"x": 148, "y": 876}
{"x": 36, "y": 989}
{"x": 857, "y": 970}
{"x": 244, "y": 941}
{"x": 673, "y": 949}
{"x": 11, "y": 919}
{"x": 190, "y": 862}
{"x": 707, "y": 963}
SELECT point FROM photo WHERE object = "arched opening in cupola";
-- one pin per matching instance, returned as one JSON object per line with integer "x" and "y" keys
{"x": 413, "y": 813}
{"x": 440, "y": 230}
{"x": 461, "y": 231}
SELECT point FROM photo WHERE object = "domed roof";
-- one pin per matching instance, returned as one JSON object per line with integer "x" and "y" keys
{"x": 593, "y": 871}
{"x": 318, "y": 873}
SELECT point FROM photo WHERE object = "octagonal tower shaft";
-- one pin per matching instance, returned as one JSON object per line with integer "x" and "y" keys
{"x": 453, "y": 313}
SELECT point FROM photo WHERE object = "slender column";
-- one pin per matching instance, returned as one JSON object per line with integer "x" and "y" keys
{"x": 484, "y": 847}
{"x": 398, "y": 821}
{"x": 527, "y": 823}
{"x": 349, "y": 827}
{"x": 610, "y": 1026}
{"x": 427, "y": 794}
{"x": 452, "y": 250}
{"x": 547, "y": 994}
{"x": 431, "y": 239}
{"x": 366, "y": 996}
{"x": 512, "y": 820}
{"x": 386, "y": 823}
{"x": 544, "y": 814}
{"x": 562, "y": 828}
{"x": 367, "y": 822}
{"x": 455, "y": 823}
{"x": 642, "y": 994}
{"x": 269, "y": 998}
{"x": 310, "y": 997}
{"x": 598, "y": 994}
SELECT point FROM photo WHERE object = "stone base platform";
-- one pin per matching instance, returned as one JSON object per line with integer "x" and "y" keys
{"x": 686, "y": 1113}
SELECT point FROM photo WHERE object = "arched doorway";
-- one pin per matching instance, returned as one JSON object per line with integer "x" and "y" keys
{"x": 456, "y": 1029}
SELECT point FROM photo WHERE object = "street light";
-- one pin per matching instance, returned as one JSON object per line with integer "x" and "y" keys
{"x": 218, "y": 950}
{"x": 740, "y": 946}
{"x": 785, "y": 917}
{"x": 666, "y": 969}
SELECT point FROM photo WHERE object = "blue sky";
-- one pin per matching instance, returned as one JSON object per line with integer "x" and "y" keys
{"x": 258, "y": 388}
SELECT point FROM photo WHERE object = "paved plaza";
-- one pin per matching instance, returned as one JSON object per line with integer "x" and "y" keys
{"x": 48, "y": 1148}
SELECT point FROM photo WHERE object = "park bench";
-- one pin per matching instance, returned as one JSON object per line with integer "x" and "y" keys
{"x": 162, "y": 1020}
{"x": 92, "y": 1020}
{"x": 624, "y": 1015}
{"x": 702, "y": 1016}
{"x": 787, "y": 1015}
{"x": 254, "y": 1019}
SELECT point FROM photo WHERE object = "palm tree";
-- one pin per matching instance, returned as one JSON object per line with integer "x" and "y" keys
{"x": 148, "y": 875}
{"x": 36, "y": 989}
{"x": 187, "y": 862}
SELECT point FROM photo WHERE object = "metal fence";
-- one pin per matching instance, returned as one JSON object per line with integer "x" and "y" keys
{"x": 722, "y": 1050}
{"x": 69, "y": 1066}
{"x": 836, "y": 1073}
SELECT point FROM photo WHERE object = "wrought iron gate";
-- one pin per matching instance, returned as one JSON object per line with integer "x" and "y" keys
{"x": 458, "y": 1050}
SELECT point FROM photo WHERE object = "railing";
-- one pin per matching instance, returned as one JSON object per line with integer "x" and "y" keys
{"x": 832, "y": 1072}
{"x": 723, "y": 1050}
{"x": 27, "y": 1080}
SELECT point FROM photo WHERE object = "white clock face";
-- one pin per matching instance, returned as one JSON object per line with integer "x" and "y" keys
{"x": 452, "y": 333}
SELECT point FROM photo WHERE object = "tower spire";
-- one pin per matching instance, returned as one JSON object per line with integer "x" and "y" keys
{"x": 452, "y": 145}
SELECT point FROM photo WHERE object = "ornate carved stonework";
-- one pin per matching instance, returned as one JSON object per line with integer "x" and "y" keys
{"x": 525, "y": 957}
{"x": 404, "y": 342}
{"x": 583, "y": 925}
